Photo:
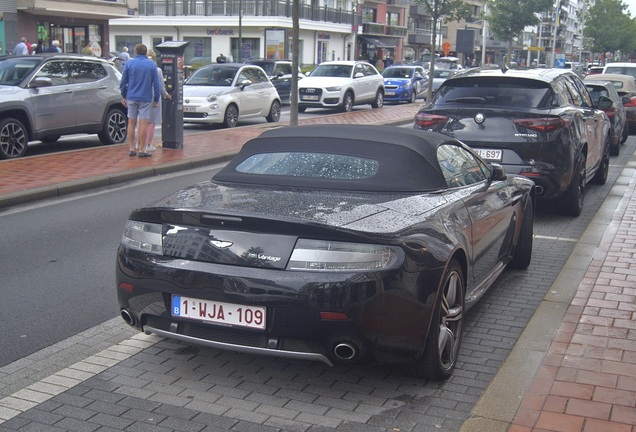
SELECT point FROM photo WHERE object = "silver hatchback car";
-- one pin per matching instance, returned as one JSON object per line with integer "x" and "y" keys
{"x": 45, "y": 96}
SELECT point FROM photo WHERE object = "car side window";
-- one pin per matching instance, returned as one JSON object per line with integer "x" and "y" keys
{"x": 368, "y": 70}
{"x": 459, "y": 166}
{"x": 284, "y": 68}
{"x": 56, "y": 71}
{"x": 358, "y": 69}
{"x": 586, "y": 101}
{"x": 82, "y": 72}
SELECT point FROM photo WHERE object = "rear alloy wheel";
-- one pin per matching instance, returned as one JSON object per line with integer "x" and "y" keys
{"x": 274, "y": 112}
{"x": 379, "y": 100}
{"x": 231, "y": 116}
{"x": 14, "y": 139}
{"x": 115, "y": 127}
{"x": 444, "y": 336}
{"x": 573, "y": 198}
{"x": 347, "y": 102}
{"x": 523, "y": 251}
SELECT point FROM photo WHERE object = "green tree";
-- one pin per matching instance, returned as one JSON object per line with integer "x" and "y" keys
{"x": 442, "y": 11}
{"x": 609, "y": 27}
{"x": 508, "y": 18}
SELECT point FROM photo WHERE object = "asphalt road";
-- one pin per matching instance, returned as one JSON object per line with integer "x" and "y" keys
{"x": 58, "y": 260}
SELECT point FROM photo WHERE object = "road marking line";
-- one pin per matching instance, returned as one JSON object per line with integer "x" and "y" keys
{"x": 566, "y": 239}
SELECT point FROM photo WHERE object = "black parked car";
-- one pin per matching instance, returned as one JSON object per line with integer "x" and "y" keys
{"x": 280, "y": 74}
{"x": 541, "y": 123}
{"x": 614, "y": 108}
{"x": 308, "y": 245}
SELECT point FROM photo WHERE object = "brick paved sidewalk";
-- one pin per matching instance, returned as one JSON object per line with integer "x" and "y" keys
{"x": 587, "y": 380}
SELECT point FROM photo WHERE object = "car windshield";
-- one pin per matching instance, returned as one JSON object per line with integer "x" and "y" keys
{"x": 14, "y": 71}
{"x": 526, "y": 93}
{"x": 442, "y": 73}
{"x": 398, "y": 73}
{"x": 342, "y": 71}
{"x": 215, "y": 76}
{"x": 267, "y": 66}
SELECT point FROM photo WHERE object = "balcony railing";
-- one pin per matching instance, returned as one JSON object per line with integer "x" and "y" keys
{"x": 383, "y": 29}
{"x": 248, "y": 7}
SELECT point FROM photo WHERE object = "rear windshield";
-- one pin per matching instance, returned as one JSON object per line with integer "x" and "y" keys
{"x": 507, "y": 92}
{"x": 621, "y": 70}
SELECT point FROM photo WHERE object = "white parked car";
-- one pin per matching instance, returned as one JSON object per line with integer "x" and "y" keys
{"x": 341, "y": 84}
{"x": 227, "y": 93}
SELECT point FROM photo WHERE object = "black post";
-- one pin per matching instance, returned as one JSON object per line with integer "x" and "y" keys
{"x": 172, "y": 109}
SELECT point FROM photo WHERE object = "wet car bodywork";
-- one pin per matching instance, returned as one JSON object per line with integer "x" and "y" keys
{"x": 310, "y": 247}
{"x": 541, "y": 123}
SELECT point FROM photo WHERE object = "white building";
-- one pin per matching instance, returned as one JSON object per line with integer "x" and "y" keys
{"x": 261, "y": 30}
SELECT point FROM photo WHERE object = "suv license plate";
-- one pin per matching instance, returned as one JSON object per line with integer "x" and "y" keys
{"x": 219, "y": 312}
{"x": 489, "y": 154}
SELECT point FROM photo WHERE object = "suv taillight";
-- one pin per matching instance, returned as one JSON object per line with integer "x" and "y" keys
{"x": 542, "y": 124}
{"x": 425, "y": 121}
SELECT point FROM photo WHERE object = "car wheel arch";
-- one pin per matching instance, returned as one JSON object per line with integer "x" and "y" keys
{"x": 23, "y": 116}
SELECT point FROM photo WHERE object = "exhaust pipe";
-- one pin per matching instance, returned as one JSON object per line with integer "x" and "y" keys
{"x": 539, "y": 189}
{"x": 129, "y": 317}
{"x": 345, "y": 351}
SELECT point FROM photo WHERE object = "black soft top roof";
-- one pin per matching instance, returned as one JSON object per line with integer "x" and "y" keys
{"x": 407, "y": 158}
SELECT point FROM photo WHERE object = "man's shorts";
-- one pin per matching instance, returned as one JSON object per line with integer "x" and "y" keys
{"x": 139, "y": 110}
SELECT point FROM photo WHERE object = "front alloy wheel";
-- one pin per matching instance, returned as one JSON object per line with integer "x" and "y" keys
{"x": 231, "y": 116}
{"x": 347, "y": 102}
{"x": 14, "y": 139}
{"x": 115, "y": 127}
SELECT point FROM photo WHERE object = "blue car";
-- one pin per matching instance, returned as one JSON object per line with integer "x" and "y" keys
{"x": 403, "y": 83}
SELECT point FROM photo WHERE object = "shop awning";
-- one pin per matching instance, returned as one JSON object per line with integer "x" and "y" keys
{"x": 378, "y": 42}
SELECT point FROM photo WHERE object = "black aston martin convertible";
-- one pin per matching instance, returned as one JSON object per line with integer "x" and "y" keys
{"x": 333, "y": 243}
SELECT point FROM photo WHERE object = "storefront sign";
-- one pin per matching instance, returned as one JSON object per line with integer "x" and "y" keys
{"x": 220, "y": 32}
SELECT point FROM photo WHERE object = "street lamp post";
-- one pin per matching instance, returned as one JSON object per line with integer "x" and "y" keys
{"x": 240, "y": 37}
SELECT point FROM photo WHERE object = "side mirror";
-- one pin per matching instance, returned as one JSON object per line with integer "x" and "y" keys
{"x": 625, "y": 100}
{"x": 359, "y": 75}
{"x": 41, "y": 82}
{"x": 245, "y": 83}
{"x": 497, "y": 172}
{"x": 604, "y": 102}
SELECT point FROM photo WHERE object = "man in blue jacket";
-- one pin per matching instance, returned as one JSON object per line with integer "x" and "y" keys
{"x": 141, "y": 91}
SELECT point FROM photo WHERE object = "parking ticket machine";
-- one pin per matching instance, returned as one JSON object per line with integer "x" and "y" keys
{"x": 172, "y": 109}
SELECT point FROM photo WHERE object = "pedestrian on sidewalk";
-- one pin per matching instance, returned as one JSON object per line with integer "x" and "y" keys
{"x": 140, "y": 91}
{"x": 21, "y": 47}
{"x": 155, "y": 112}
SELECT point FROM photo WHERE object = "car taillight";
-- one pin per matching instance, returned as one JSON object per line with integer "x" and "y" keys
{"x": 143, "y": 236}
{"x": 319, "y": 255}
{"x": 631, "y": 103}
{"x": 542, "y": 124}
{"x": 425, "y": 121}
{"x": 611, "y": 112}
